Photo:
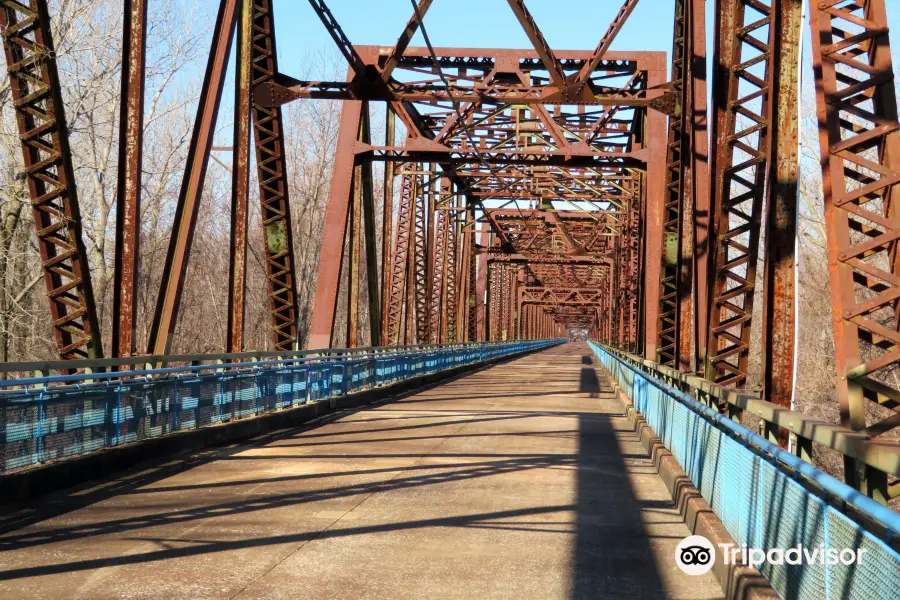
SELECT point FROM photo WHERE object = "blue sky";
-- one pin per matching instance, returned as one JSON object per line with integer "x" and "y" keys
{"x": 566, "y": 24}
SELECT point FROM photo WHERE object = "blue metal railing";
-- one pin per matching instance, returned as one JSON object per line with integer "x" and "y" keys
{"x": 757, "y": 490}
{"x": 46, "y": 418}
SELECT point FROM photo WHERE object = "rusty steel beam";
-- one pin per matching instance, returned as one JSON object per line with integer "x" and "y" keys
{"x": 409, "y": 317}
{"x": 352, "y": 258}
{"x": 365, "y": 63}
{"x": 403, "y": 41}
{"x": 240, "y": 182}
{"x": 398, "y": 281}
{"x": 606, "y": 41}
{"x": 420, "y": 256}
{"x": 697, "y": 125}
{"x": 468, "y": 272}
{"x": 49, "y": 176}
{"x": 335, "y": 232}
{"x": 340, "y": 38}
{"x": 271, "y": 173}
{"x": 438, "y": 262}
{"x": 543, "y": 49}
{"x": 672, "y": 295}
{"x": 387, "y": 234}
{"x": 741, "y": 134}
{"x": 175, "y": 268}
{"x": 654, "y": 207}
{"x": 859, "y": 136}
{"x": 779, "y": 311}
{"x": 449, "y": 331}
{"x": 366, "y": 183}
{"x": 481, "y": 288}
{"x": 128, "y": 190}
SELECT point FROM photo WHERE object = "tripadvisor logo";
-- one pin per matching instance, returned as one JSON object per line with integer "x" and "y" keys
{"x": 695, "y": 555}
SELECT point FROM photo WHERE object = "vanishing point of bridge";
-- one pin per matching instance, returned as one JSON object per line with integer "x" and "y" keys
{"x": 528, "y": 364}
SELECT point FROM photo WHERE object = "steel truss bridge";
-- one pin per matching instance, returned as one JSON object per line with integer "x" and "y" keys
{"x": 525, "y": 196}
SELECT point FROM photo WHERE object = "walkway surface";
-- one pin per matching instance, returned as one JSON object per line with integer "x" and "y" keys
{"x": 523, "y": 480}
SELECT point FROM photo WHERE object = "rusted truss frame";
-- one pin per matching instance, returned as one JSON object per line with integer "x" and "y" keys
{"x": 560, "y": 295}
{"x": 240, "y": 182}
{"x": 271, "y": 168}
{"x": 672, "y": 292}
{"x": 49, "y": 176}
{"x": 128, "y": 189}
{"x": 532, "y": 157}
{"x": 494, "y": 301}
{"x": 438, "y": 274}
{"x": 477, "y": 63}
{"x": 350, "y": 222}
{"x": 421, "y": 257}
{"x": 435, "y": 239}
{"x": 474, "y": 296}
{"x": 859, "y": 136}
{"x": 450, "y": 308}
{"x": 685, "y": 223}
{"x": 648, "y": 134}
{"x": 289, "y": 89}
{"x": 399, "y": 259}
{"x": 630, "y": 269}
{"x": 741, "y": 134}
{"x": 780, "y": 309}
{"x": 387, "y": 232}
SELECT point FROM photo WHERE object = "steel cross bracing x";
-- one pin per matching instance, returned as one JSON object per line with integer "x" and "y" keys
{"x": 538, "y": 191}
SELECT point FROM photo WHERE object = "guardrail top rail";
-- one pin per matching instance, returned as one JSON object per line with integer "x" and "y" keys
{"x": 54, "y": 416}
{"x": 766, "y": 497}
{"x": 61, "y": 371}
{"x": 880, "y": 455}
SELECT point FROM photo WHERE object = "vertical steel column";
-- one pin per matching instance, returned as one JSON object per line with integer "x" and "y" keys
{"x": 697, "y": 122}
{"x": 641, "y": 260}
{"x": 472, "y": 300}
{"x": 399, "y": 259}
{"x": 506, "y": 285}
{"x": 481, "y": 286}
{"x": 336, "y": 220}
{"x": 37, "y": 102}
{"x": 367, "y": 193}
{"x": 859, "y": 135}
{"x": 128, "y": 191}
{"x": 410, "y": 329}
{"x": 240, "y": 183}
{"x": 438, "y": 269}
{"x": 420, "y": 259}
{"x": 621, "y": 275}
{"x": 188, "y": 206}
{"x": 654, "y": 128}
{"x": 779, "y": 294}
{"x": 452, "y": 274}
{"x": 633, "y": 258}
{"x": 387, "y": 236}
{"x": 741, "y": 133}
{"x": 271, "y": 170}
{"x": 493, "y": 318}
{"x": 354, "y": 249}
{"x": 675, "y": 218}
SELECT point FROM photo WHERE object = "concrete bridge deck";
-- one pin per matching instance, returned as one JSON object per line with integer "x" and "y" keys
{"x": 523, "y": 480}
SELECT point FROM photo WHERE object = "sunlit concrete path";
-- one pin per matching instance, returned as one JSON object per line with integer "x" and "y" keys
{"x": 523, "y": 480}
